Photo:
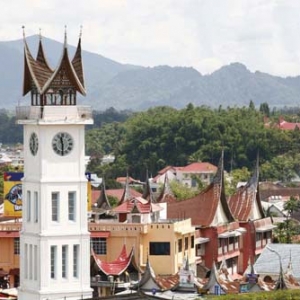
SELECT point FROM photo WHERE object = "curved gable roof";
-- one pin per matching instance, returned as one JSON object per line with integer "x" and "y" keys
{"x": 246, "y": 204}
{"x": 118, "y": 266}
{"x": 38, "y": 71}
{"x": 65, "y": 71}
{"x": 34, "y": 70}
{"x": 77, "y": 63}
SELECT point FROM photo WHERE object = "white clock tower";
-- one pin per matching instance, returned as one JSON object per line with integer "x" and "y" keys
{"x": 55, "y": 242}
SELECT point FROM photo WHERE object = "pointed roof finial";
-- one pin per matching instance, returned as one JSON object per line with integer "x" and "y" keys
{"x": 65, "y": 41}
{"x": 80, "y": 32}
{"x": 40, "y": 34}
{"x": 23, "y": 28}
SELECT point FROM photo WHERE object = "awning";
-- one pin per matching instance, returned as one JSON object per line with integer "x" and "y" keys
{"x": 100, "y": 234}
{"x": 9, "y": 234}
{"x": 228, "y": 234}
{"x": 201, "y": 240}
{"x": 265, "y": 228}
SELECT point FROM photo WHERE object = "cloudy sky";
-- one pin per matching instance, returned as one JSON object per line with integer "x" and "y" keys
{"x": 204, "y": 34}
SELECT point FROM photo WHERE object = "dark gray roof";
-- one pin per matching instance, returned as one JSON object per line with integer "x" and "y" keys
{"x": 269, "y": 263}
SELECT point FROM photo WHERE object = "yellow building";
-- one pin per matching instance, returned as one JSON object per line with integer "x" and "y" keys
{"x": 166, "y": 243}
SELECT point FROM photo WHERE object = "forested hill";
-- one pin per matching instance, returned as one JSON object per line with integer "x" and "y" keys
{"x": 112, "y": 84}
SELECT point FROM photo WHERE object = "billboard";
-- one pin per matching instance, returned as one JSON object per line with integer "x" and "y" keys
{"x": 12, "y": 191}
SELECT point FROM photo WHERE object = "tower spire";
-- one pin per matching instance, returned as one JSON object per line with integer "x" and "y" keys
{"x": 65, "y": 39}
{"x": 23, "y": 29}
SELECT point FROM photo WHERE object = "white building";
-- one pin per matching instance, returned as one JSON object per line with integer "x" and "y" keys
{"x": 55, "y": 242}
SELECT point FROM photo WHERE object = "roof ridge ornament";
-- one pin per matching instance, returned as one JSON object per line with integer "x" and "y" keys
{"x": 80, "y": 32}
{"x": 40, "y": 34}
{"x": 65, "y": 38}
{"x": 23, "y": 29}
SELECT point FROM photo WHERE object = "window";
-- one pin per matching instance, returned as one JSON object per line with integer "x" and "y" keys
{"x": 53, "y": 254}
{"x": 28, "y": 206}
{"x": 192, "y": 241}
{"x": 220, "y": 243}
{"x": 55, "y": 203}
{"x": 35, "y": 262}
{"x": 64, "y": 260}
{"x": 17, "y": 246}
{"x": 159, "y": 248}
{"x": 36, "y": 207}
{"x": 75, "y": 260}
{"x": 258, "y": 236}
{"x": 71, "y": 205}
{"x": 26, "y": 261}
{"x": 99, "y": 245}
{"x": 186, "y": 243}
{"x": 231, "y": 240}
{"x": 193, "y": 182}
{"x": 30, "y": 261}
{"x": 180, "y": 245}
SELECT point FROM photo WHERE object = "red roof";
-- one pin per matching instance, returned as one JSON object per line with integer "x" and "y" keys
{"x": 199, "y": 167}
{"x": 130, "y": 180}
{"x": 117, "y": 193}
{"x": 139, "y": 204}
{"x": 242, "y": 203}
{"x": 288, "y": 125}
{"x": 203, "y": 207}
{"x": 116, "y": 267}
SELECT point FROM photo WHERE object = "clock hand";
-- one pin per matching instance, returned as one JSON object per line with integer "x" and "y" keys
{"x": 62, "y": 145}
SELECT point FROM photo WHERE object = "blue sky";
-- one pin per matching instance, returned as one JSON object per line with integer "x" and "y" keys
{"x": 204, "y": 34}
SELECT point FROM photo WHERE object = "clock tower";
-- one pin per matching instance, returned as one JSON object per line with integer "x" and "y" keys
{"x": 55, "y": 242}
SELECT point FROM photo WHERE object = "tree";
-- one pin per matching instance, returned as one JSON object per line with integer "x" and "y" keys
{"x": 264, "y": 109}
{"x": 286, "y": 230}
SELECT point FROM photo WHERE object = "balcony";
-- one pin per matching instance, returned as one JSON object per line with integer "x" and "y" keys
{"x": 54, "y": 113}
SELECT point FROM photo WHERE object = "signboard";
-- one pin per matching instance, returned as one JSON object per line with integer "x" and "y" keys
{"x": 12, "y": 192}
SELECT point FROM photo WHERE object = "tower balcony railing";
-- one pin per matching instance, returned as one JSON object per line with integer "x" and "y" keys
{"x": 48, "y": 112}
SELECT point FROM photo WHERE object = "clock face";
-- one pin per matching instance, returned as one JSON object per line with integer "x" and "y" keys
{"x": 33, "y": 143}
{"x": 62, "y": 143}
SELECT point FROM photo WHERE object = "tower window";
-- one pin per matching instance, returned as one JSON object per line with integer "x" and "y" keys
{"x": 55, "y": 204}
{"x": 28, "y": 206}
{"x": 30, "y": 261}
{"x": 72, "y": 205}
{"x": 36, "y": 207}
{"x": 35, "y": 262}
{"x": 26, "y": 261}
{"x": 64, "y": 261}
{"x": 75, "y": 260}
{"x": 53, "y": 256}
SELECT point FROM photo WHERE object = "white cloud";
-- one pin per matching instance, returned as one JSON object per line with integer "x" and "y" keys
{"x": 205, "y": 34}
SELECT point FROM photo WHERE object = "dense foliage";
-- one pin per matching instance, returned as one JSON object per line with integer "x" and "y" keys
{"x": 162, "y": 136}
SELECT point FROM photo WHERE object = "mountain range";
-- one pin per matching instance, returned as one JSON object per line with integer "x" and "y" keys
{"x": 131, "y": 87}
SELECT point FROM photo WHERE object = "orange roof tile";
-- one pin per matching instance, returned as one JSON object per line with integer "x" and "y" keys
{"x": 199, "y": 167}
